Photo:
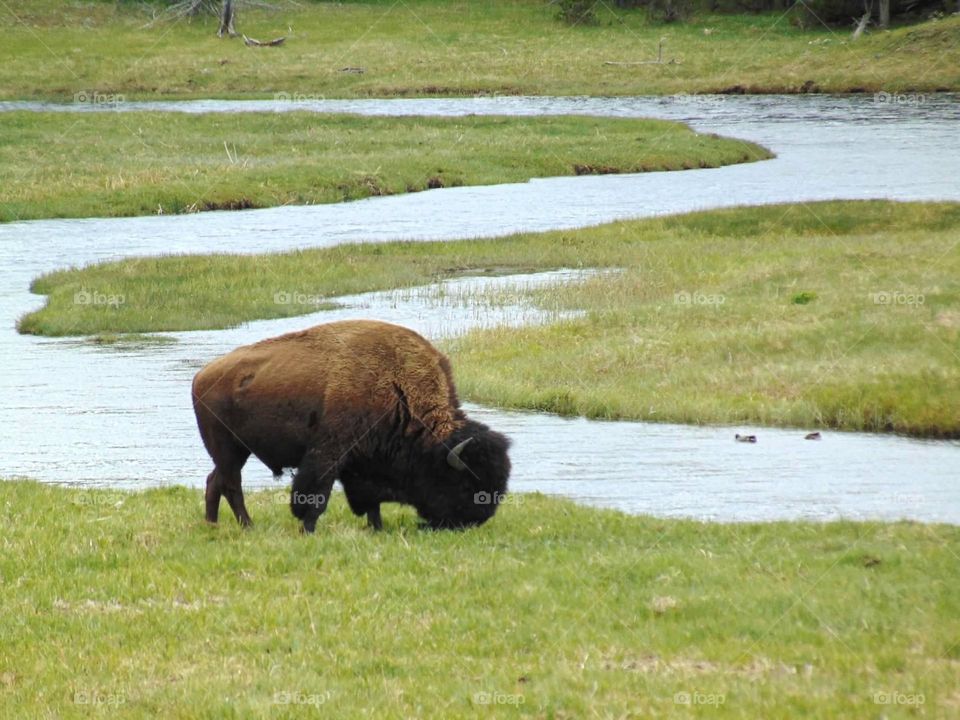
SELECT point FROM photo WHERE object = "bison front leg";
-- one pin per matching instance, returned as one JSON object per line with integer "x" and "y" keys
{"x": 373, "y": 517}
{"x": 312, "y": 484}
{"x": 359, "y": 498}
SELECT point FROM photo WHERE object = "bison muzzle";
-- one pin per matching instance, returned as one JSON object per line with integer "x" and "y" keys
{"x": 365, "y": 402}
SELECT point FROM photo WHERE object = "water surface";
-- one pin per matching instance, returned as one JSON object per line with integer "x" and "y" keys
{"x": 98, "y": 415}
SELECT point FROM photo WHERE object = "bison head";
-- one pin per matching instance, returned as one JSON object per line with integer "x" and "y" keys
{"x": 465, "y": 478}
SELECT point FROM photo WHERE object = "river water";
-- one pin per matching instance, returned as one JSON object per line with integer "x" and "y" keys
{"x": 74, "y": 412}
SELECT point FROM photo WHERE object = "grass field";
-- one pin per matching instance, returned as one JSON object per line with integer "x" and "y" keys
{"x": 129, "y": 604}
{"x": 842, "y": 314}
{"x": 59, "y": 165}
{"x": 97, "y": 51}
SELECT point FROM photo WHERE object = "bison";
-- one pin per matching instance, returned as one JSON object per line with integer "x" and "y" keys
{"x": 367, "y": 402}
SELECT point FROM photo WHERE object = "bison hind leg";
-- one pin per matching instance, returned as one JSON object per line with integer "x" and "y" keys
{"x": 232, "y": 490}
{"x": 224, "y": 481}
{"x": 212, "y": 497}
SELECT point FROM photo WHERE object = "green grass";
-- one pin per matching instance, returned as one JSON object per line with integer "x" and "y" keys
{"x": 129, "y": 340}
{"x": 61, "y": 165}
{"x": 841, "y": 314}
{"x": 54, "y": 49}
{"x": 559, "y": 611}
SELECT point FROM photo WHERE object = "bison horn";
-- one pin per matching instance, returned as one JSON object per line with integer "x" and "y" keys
{"x": 453, "y": 457}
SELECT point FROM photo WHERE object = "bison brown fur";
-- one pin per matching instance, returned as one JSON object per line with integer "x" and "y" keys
{"x": 365, "y": 402}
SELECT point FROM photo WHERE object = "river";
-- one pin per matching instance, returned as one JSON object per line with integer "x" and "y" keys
{"x": 119, "y": 416}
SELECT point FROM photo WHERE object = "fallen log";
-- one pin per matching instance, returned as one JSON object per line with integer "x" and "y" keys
{"x": 642, "y": 62}
{"x": 253, "y": 42}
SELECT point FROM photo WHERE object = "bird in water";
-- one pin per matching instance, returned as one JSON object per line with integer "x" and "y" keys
{"x": 745, "y": 438}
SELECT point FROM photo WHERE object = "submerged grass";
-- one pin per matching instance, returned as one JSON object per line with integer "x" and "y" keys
{"x": 128, "y": 602}
{"x": 95, "y": 165}
{"x": 703, "y": 324}
{"x": 96, "y": 51}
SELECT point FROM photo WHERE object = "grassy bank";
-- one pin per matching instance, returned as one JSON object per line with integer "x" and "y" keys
{"x": 841, "y": 314}
{"x": 130, "y": 603}
{"x": 56, "y": 50}
{"x": 145, "y": 163}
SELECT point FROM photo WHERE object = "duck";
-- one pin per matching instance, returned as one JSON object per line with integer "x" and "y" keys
{"x": 812, "y": 436}
{"x": 745, "y": 438}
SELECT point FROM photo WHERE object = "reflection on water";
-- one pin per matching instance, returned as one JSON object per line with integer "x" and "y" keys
{"x": 120, "y": 415}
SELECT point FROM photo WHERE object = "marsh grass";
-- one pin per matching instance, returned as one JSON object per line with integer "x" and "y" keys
{"x": 130, "y": 339}
{"x": 127, "y": 603}
{"x": 58, "y": 50}
{"x": 59, "y": 165}
{"x": 701, "y": 326}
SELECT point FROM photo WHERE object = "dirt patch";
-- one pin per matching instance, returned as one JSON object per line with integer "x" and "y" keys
{"x": 92, "y": 606}
{"x": 663, "y": 604}
{"x": 948, "y": 319}
{"x": 444, "y": 91}
{"x": 233, "y": 204}
{"x": 366, "y": 185}
{"x": 579, "y": 169}
{"x": 757, "y": 668}
{"x": 809, "y": 87}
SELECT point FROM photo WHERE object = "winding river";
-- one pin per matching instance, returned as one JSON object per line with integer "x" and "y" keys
{"x": 120, "y": 416}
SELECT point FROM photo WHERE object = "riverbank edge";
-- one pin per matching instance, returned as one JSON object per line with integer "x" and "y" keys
{"x": 482, "y": 356}
{"x": 240, "y": 161}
